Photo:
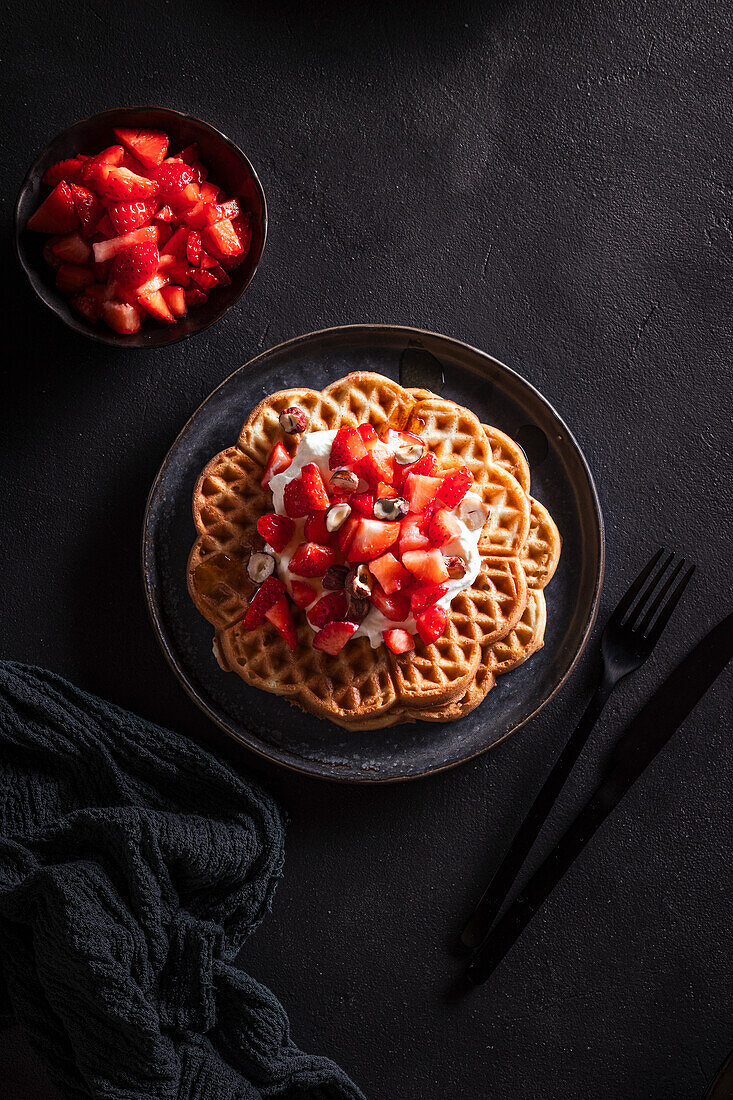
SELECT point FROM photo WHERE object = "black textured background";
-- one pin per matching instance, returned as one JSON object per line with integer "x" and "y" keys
{"x": 548, "y": 181}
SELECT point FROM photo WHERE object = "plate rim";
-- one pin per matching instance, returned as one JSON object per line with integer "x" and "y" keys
{"x": 259, "y": 747}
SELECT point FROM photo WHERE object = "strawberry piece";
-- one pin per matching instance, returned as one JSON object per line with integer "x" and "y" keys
{"x": 368, "y": 435}
{"x": 281, "y": 618}
{"x": 443, "y": 527}
{"x": 395, "y": 607}
{"x": 399, "y": 641}
{"x": 315, "y": 490}
{"x": 165, "y": 214}
{"x": 68, "y": 170}
{"x": 176, "y": 269}
{"x": 303, "y": 594}
{"x": 71, "y": 249}
{"x": 195, "y": 296}
{"x": 105, "y": 250}
{"x": 420, "y": 491}
{"x": 189, "y": 154}
{"x": 121, "y": 316}
{"x": 144, "y": 290}
{"x": 200, "y": 172}
{"x": 311, "y": 559}
{"x": 57, "y": 213}
{"x": 295, "y": 499}
{"x": 122, "y": 185}
{"x": 156, "y": 305}
{"x": 126, "y": 216}
{"x": 454, "y": 486}
{"x": 71, "y": 278}
{"x": 346, "y": 533}
{"x": 87, "y": 306}
{"x": 88, "y": 208}
{"x": 377, "y": 465}
{"x": 229, "y": 209}
{"x": 371, "y": 538}
{"x": 431, "y": 622}
{"x": 96, "y": 169}
{"x": 266, "y": 596}
{"x": 178, "y": 243}
{"x": 333, "y": 637}
{"x": 135, "y": 264}
{"x": 105, "y": 230}
{"x": 148, "y": 146}
{"x": 330, "y": 608}
{"x": 427, "y": 465}
{"x": 315, "y": 528}
{"x": 201, "y": 215}
{"x": 209, "y": 192}
{"x": 276, "y": 530}
{"x": 165, "y": 232}
{"x": 390, "y": 573}
{"x": 243, "y": 229}
{"x": 427, "y": 565}
{"x": 175, "y": 299}
{"x": 422, "y": 596}
{"x": 279, "y": 460}
{"x": 193, "y": 248}
{"x": 222, "y": 238}
{"x": 218, "y": 272}
{"x": 411, "y": 535}
{"x": 363, "y": 503}
{"x": 185, "y": 200}
{"x": 49, "y": 255}
{"x": 395, "y": 439}
{"x": 205, "y": 279}
{"x": 347, "y": 449}
{"x": 172, "y": 177}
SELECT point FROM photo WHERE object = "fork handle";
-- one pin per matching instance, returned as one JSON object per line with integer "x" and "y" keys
{"x": 493, "y": 896}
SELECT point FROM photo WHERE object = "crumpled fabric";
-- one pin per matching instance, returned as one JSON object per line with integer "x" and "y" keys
{"x": 133, "y": 866}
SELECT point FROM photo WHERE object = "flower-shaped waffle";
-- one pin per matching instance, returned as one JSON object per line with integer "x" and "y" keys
{"x": 492, "y": 625}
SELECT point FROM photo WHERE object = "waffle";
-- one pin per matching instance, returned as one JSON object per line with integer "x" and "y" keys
{"x": 493, "y": 625}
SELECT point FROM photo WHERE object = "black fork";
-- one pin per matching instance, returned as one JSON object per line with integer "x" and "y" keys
{"x": 630, "y": 635}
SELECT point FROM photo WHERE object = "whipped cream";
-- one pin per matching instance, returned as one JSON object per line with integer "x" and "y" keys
{"x": 316, "y": 447}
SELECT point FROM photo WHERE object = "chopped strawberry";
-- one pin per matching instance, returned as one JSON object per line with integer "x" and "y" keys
{"x": 384, "y": 491}
{"x": 193, "y": 248}
{"x": 346, "y": 533}
{"x": 122, "y": 185}
{"x": 57, "y": 214}
{"x": 185, "y": 200}
{"x": 201, "y": 215}
{"x": 243, "y": 229}
{"x": 264, "y": 598}
{"x": 71, "y": 249}
{"x": 454, "y": 486}
{"x": 156, "y": 305}
{"x": 303, "y": 594}
{"x": 377, "y": 464}
{"x": 189, "y": 154}
{"x": 431, "y": 622}
{"x": 363, "y": 503}
{"x": 315, "y": 490}
{"x": 87, "y": 306}
{"x": 427, "y": 565}
{"x": 204, "y": 278}
{"x": 209, "y": 192}
{"x": 411, "y": 535}
{"x": 165, "y": 214}
{"x": 425, "y": 594}
{"x": 443, "y": 527}
{"x": 172, "y": 177}
{"x": 395, "y": 607}
{"x": 333, "y": 637}
{"x": 315, "y": 528}
{"x": 399, "y": 641}
{"x": 105, "y": 250}
{"x": 176, "y": 269}
{"x": 281, "y": 618}
{"x": 420, "y": 491}
{"x": 330, "y": 608}
{"x": 295, "y": 499}
{"x": 368, "y": 434}
{"x": 311, "y": 559}
{"x": 229, "y": 209}
{"x": 126, "y": 216}
{"x": 427, "y": 465}
{"x": 96, "y": 168}
{"x": 217, "y": 271}
{"x": 88, "y": 208}
{"x": 144, "y": 290}
{"x": 347, "y": 449}
{"x": 148, "y": 146}
{"x": 135, "y": 264}
{"x": 68, "y": 170}
{"x": 372, "y": 537}
{"x": 276, "y": 530}
{"x": 121, "y": 316}
{"x": 105, "y": 230}
{"x": 175, "y": 299}
{"x": 71, "y": 278}
{"x": 195, "y": 296}
{"x": 49, "y": 255}
{"x": 222, "y": 238}
{"x": 395, "y": 439}
{"x": 390, "y": 573}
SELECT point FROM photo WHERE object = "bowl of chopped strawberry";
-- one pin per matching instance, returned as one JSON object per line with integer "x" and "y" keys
{"x": 140, "y": 226}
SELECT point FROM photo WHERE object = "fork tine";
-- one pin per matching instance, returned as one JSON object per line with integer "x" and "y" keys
{"x": 666, "y": 612}
{"x": 657, "y": 601}
{"x": 627, "y": 600}
{"x": 646, "y": 594}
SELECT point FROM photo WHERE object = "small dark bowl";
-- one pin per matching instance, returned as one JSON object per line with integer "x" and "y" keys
{"x": 228, "y": 167}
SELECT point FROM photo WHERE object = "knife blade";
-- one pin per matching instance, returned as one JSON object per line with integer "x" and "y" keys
{"x": 645, "y": 736}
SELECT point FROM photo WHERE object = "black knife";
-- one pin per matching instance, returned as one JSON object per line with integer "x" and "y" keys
{"x": 637, "y": 747}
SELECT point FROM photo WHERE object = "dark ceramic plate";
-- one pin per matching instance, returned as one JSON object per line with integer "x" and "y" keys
{"x": 228, "y": 167}
{"x": 560, "y": 479}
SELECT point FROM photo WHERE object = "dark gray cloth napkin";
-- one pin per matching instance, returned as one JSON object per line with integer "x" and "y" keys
{"x": 133, "y": 866}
